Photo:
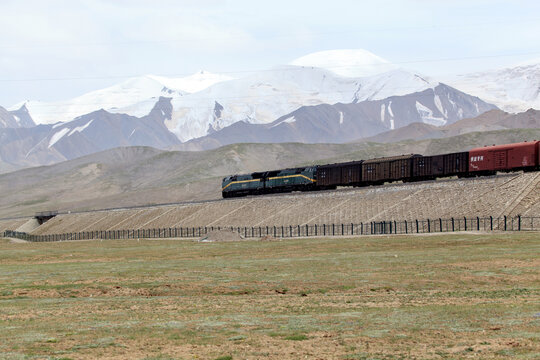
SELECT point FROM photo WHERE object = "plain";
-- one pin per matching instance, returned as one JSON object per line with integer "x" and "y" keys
{"x": 379, "y": 297}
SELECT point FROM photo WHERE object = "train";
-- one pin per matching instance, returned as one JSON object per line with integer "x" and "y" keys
{"x": 480, "y": 161}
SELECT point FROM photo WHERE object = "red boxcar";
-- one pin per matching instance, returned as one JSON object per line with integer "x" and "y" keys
{"x": 490, "y": 159}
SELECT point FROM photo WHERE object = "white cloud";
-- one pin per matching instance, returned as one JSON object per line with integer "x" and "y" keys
{"x": 102, "y": 38}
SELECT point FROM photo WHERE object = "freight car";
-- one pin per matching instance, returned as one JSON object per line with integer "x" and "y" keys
{"x": 414, "y": 167}
{"x": 395, "y": 168}
{"x": 342, "y": 174}
{"x": 488, "y": 160}
{"x": 436, "y": 166}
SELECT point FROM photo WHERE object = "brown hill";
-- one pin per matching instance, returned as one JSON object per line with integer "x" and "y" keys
{"x": 141, "y": 175}
{"x": 489, "y": 121}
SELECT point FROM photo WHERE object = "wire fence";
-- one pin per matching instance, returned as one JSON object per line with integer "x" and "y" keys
{"x": 517, "y": 223}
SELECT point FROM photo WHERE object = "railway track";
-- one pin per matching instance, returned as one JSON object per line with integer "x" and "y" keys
{"x": 396, "y": 185}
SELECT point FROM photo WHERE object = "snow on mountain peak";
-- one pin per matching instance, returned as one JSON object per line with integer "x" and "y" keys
{"x": 135, "y": 96}
{"x": 348, "y": 62}
{"x": 512, "y": 89}
{"x": 193, "y": 83}
{"x": 265, "y": 96}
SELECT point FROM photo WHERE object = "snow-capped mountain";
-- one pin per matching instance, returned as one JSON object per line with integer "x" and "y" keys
{"x": 193, "y": 83}
{"x": 14, "y": 119}
{"x": 263, "y": 97}
{"x": 341, "y": 122}
{"x": 348, "y": 62}
{"x": 7, "y": 120}
{"x": 512, "y": 89}
{"x": 97, "y": 131}
{"x": 320, "y": 98}
{"x": 205, "y": 102}
{"x": 135, "y": 97}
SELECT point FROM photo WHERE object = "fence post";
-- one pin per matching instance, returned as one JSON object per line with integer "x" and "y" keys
{"x": 465, "y": 222}
{"x": 324, "y": 229}
{"x": 417, "y": 226}
{"x": 361, "y": 228}
{"x": 491, "y": 222}
{"x": 519, "y": 222}
{"x": 504, "y": 222}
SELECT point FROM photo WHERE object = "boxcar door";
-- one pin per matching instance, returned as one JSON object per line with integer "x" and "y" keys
{"x": 500, "y": 159}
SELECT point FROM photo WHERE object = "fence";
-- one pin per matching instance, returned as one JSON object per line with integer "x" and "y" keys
{"x": 518, "y": 223}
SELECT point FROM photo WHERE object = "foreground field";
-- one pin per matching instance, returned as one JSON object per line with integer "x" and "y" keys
{"x": 445, "y": 296}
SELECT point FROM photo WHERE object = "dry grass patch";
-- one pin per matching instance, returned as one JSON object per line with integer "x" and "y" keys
{"x": 446, "y": 296}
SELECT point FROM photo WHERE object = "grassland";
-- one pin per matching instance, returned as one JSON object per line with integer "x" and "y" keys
{"x": 422, "y": 297}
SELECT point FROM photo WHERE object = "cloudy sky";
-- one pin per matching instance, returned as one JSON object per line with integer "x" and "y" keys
{"x": 57, "y": 49}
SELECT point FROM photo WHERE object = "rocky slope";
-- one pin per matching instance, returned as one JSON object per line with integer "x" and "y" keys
{"x": 488, "y": 121}
{"x": 87, "y": 134}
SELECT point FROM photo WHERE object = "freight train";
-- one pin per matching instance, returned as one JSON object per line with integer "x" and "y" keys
{"x": 482, "y": 161}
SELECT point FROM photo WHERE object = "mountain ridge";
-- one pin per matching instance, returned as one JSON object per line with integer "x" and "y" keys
{"x": 142, "y": 175}
{"x": 339, "y": 123}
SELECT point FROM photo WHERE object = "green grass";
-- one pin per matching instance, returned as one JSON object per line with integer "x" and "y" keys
{"x": 445, "y": 296}
{"x": 296, "y": 337}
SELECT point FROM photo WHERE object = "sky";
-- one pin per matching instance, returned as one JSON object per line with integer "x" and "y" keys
{"x": 58, "y": 49}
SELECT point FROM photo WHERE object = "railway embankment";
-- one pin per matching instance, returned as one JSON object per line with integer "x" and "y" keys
{"x": 508, "y": 194}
